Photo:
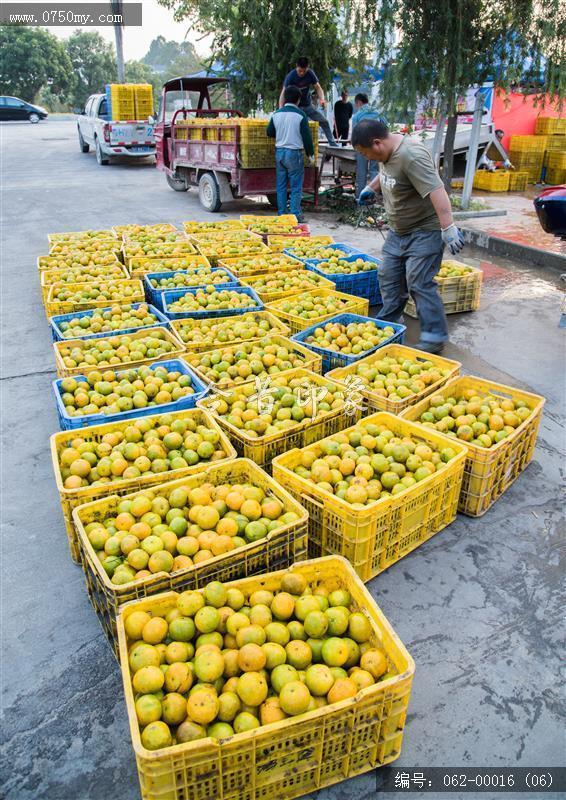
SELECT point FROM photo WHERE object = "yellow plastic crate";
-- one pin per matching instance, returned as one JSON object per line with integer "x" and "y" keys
{"x": 497, "y": 181}
{"x": 280, "y": 548}
{"x": 556, "y": 159}
{"x": 527, "y": 144}
{"x": 457, "y": 294}
{"x": 207, "y": 237}
{"x": 64, "y": 372}
{"x": 71, "y": 498}
{"x": 263, "y": 449}
{"x": 550, "y": 125}
{"x": 246, "y": 266}
{"x": 555, "y": 177}
{"x": 122, "y": 101}
{"x": 141, "y": 266}
{"x": 67, "y": 262}
{"x": 376, "y": 536}
{"x": 312, "y": 361}
{"x": 143, "y": 99}
{"x": 110, "y": 245}
{"x": 298, "y": 755}
{"x": 528, "y": 161}
{"x": 178, "y": 326}
{"x": 48, "y": 277}
{"x": 216, "y": 251}
{"x": 56, "y": 307}
{"x": 518, "y": 181}
{"x": 300, "y": 245}
{"x": 120, "y": 230}
{"x": 553, "y": 143}
{"x": 488, "y": 472}
{"x": 73, "y": 236}
{"x": 375, "y": 402}
{"x": 348, "y": 305}
{"x": 196, "y": 226}
{"x": 311, "y": 280}
{"x": 178, "y": 249}
{"x": 281, "y": 219}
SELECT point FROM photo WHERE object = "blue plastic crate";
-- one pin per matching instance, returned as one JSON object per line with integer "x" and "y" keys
{"x": 57, "y": 335}
{"x": 360, "y": 284}
{"x": 174, "y": 294}
{"x": 342, "y": 247}
{"x": 67, "y": 423}
{"x": 155, "y": 296}
{"x": 332, "y": 360}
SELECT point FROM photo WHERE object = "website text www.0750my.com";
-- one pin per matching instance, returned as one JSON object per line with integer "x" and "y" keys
{"x": 65, "y": 14}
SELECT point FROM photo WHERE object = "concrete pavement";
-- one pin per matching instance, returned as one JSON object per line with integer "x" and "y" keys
{"x": 478, "y": 606}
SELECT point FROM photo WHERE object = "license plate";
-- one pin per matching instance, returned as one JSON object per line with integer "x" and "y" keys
{"x": 140, "y": 149}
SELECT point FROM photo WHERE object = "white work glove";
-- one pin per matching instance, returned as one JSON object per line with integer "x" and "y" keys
{"x": 453, "y": 239}
{"x": 367, "y": 197}
{"x": 489, "y": 165}
{"x": 508, "y": 165}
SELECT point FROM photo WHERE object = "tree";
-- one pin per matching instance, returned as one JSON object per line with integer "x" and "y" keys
{"x": 93, "y": 62}
{"x": 138, "y": 72}
{"x": 163, "y": 55}
{"x": 32, "y": 58}
{"x": 447, "y": 46}
{"x": 257, "y": 41}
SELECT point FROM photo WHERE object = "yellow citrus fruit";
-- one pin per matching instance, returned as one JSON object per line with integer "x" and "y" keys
{"x": 174, "y": 708}
{"x": 375, "y": 662}
{"x": 252, "y": 688}
{"x": 202, "y": 706}
{"x": 134, "y": 624}
{"x": 148, "y": 709}
{"x": 294, "y": 698}
{"x": 342, "y": 689}
{"x": 156, "y": 736}
{"x": 148, "y": 679}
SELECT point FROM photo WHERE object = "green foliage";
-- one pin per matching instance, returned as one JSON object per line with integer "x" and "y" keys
{"x": 93, "y": 63}
{"x": 138, "y": 72}
{"x": 31, "y": 59}
{"x": 172, "y": 58}
{"x": 257, "y": 41}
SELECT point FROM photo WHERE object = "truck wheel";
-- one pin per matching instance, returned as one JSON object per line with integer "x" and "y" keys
{"x": 177, "y": 184}
{"x": 82, "y": 144}
{"x": 209, "y": 192}
{"x": 100, "y": 157}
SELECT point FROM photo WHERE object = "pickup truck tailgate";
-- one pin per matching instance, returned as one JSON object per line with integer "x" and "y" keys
{"x": 127, "y": 134}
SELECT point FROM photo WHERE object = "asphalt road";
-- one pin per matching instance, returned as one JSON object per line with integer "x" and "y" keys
{"x": 478, "y": 606}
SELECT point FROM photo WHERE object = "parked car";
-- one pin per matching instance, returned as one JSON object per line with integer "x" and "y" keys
{"x": 109, "y": 137}
{"x": 550, "y": 206}
{"x": 12, "y": 108}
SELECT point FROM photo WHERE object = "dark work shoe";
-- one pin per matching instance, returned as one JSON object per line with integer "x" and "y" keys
{"x": 430, "y": 347}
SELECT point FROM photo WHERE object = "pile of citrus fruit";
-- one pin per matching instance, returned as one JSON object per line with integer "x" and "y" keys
{"x": 79, "y": 236}
{"x": 219, "y": 663}
{"x": 88, "y": 246}
{"x": 223, "y": 366}
{"x": 230, "y": 248}
{"x": 144, "y": 446}
{"x": 289, "y": 400}
{"x": 336, "y": 265}
{"x": 272, "y": 226}
{"x": 154, "y": 249}
{"x": 193, "y": 278}
{"x": 116, "y": 350}
{"x": 398, "y": 377}
{"x": 125, "y": 231}
{"x": 368, "y": 462}
{"x": 193, "y": 262}
{"x": 454, "y": 269}
{"x": 285, "y": 281}
{"x": 111, "y": 393}
{"x": 223, "y": 330}
{"x": 248, "y": 265}
{"x": 77, "y": 260}
{"x": 165, "y": 530}
{"x": 307, "y": 246}
{"x": 481, "y": 419}
{"x": 92, "y": 272}
{"x": 351, "y": 339}
{"x": 115, "y": 318}
{"x": 82, "y": 293}
{"x": 210, "y": 300}
{"x": 312, "y": 306}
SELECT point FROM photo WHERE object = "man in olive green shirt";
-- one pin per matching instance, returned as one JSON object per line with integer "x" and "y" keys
{"x": 421, "y": 224}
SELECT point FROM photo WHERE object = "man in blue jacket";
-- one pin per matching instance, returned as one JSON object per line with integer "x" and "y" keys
{"x": 305, "y": 79}
{"x": 289, "y": 126}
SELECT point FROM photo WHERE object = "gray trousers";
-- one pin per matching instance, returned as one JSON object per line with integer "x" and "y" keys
{"x": 409, "y": 264}
{"x": 317, "y": 116}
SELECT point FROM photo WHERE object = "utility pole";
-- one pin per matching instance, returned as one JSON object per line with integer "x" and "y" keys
{"x": 473, "y": 150}
{"x": 117, "y": 9}
{"x": 438, "y": 135}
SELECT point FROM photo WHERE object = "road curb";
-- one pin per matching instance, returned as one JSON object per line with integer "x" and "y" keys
{"x": 507, "y": 248}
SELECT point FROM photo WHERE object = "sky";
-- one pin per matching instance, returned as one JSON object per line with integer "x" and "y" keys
{"x": 156, "y": 21}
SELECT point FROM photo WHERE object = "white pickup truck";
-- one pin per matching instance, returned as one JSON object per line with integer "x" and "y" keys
{"x": 109, "y": 138}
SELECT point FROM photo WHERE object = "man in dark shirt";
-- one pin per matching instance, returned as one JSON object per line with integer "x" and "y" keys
{"x": 342, "y": 114}
{"x": 304, "y": 79}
